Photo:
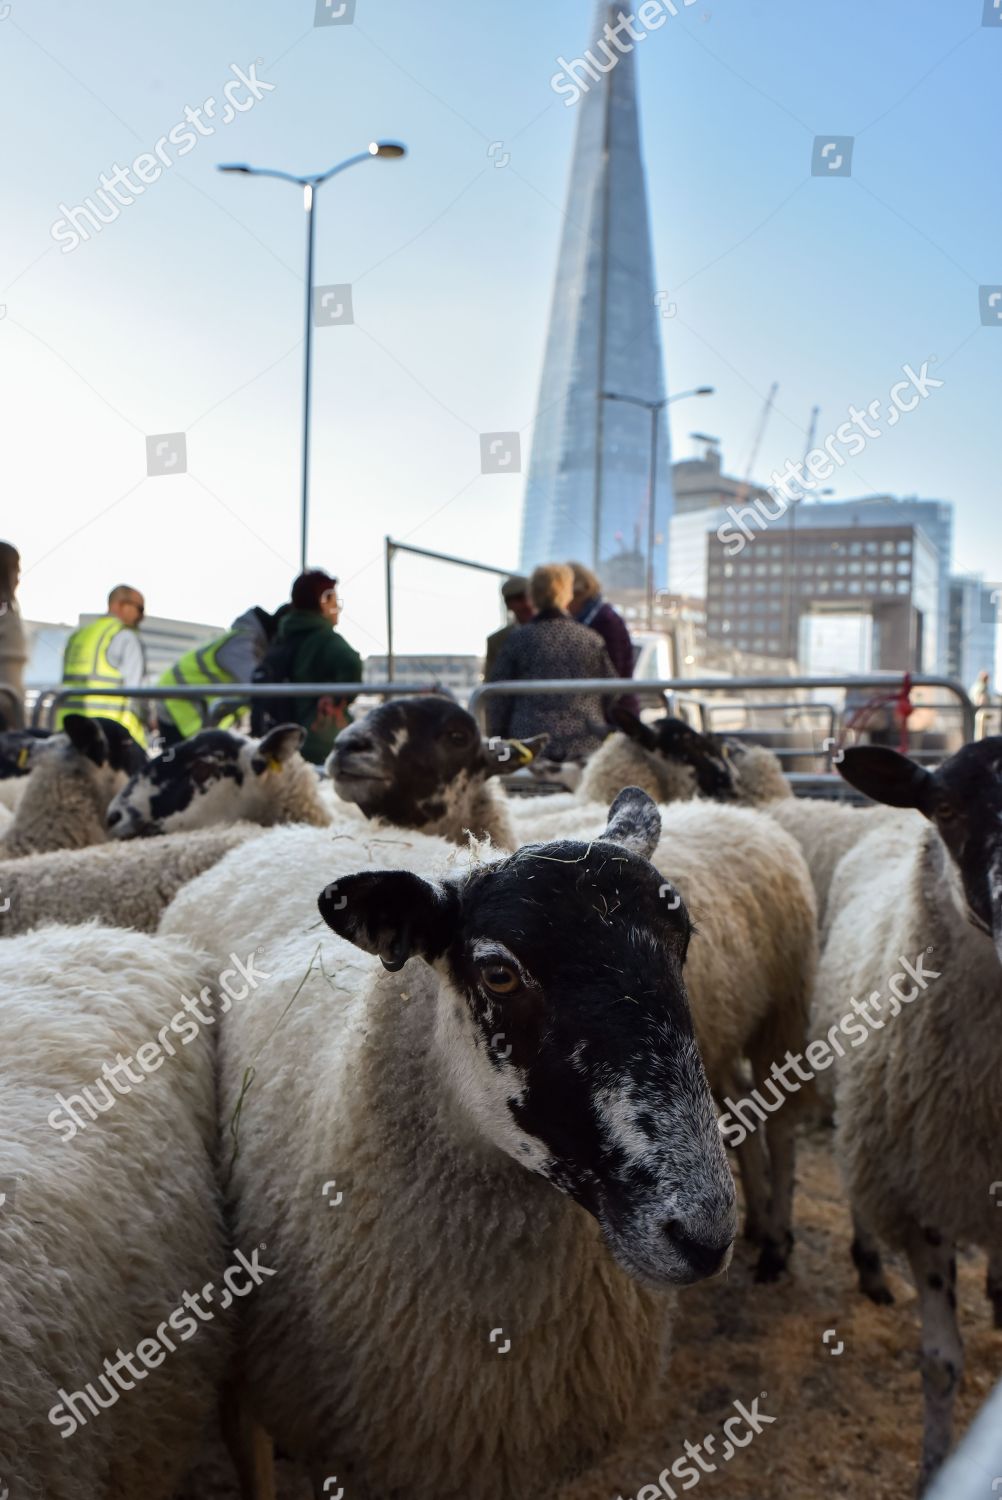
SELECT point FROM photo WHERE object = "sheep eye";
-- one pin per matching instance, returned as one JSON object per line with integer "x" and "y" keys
{"x": 500, "y": 979}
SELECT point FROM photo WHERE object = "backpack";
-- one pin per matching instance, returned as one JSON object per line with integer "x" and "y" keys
{"x": 275, "y": 666}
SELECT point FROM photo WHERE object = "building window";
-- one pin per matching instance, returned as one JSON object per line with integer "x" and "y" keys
{"x": 870, "y": 567}
{"x": 887, "y": 567}
{"x": 855, "y": 549}
{"x": 870, "y": 548}
{"x": 887, "y": 547}
{"x": 887, "y": 585}
{"x": 728, "y": 570}
{"x": 855, "y": 587}
{"x": 839, "y": 569}
{"x": 855, "y": 567}
{"x": 904, "y": 587}
{"x": 904, "y": 567}
{"x": 824, "y": 586}
{"x": 904, "y": 547}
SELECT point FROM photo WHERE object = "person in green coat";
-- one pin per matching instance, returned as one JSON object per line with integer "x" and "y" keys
{"x": 317, "y": 653}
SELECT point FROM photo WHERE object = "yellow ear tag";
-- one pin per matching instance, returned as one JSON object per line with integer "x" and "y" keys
{"x": 22, "y": 757}
{"x": 274, "y": 764}
{"x": 525, "y": 755}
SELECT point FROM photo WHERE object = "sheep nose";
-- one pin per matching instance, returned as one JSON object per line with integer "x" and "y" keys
{"x": 357, "y": 744}
{"x": 705, "y": 1258}
{"x": 114, "y": 816}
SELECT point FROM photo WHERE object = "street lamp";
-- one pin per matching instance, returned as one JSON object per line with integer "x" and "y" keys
{"x": 391, "y": 150}
{"x": 655, "y": 408}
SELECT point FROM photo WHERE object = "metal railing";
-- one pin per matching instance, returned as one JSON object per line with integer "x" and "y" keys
{"x": 216, "y": 700}
{"x": 615, "y": 687}
{"x": 983, "y": 717}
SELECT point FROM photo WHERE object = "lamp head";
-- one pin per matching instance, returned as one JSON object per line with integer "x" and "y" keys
{"x": 390, "y": 149}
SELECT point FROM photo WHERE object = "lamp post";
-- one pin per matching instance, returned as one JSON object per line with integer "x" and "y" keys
{"x": 390, "y": 150}
{"x": 655, "y": 408}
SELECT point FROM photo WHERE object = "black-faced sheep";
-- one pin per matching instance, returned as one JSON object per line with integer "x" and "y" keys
{"x": 421, "y": 763}
{"x": 480, "y": 1172}
{"x": 916, "y": 925}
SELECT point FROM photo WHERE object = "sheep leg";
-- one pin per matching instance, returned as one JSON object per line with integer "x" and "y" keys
{"x": 777, "y": 1243}
{"x": 755, "y": 1181}
{"x": 250, "y": 1448}
{"x": 869, "y": 1265}
{"x": 994, "y": 1284}
{"x": 935, "y": 1271}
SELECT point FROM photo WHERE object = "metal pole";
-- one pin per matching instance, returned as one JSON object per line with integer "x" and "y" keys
{"x": 308, "y": 347}
{"x": 652, "y": 493}
{"x": 389, "y": 609}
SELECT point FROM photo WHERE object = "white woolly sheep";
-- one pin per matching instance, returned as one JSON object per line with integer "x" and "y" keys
{"x": 110, "y": 1217}
{"x": 673, "y": 762}
{"x": 218, "y": 776}
{"x": 826, "y": 831}
{"x": 508, "y": 1148}
{"x": 421, "y": 763}
{"x": 123, "y": 886}
{"x": 72, "y": 782}
{"x": 919, "y": 1106}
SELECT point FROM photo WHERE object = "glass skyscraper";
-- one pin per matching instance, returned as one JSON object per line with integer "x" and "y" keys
{"x": 588, "y": 485}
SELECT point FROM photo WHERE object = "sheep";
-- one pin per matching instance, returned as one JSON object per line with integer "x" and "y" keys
{"x": 421, "y": 763}
{"x": 505, "y": 1146}
{"x": 73, "y": 780}
{"x": 918, "y": 1107}
{"x": 109, "y": 1217}
{"x": 672, "y": 762}
{"x": 128, "y": 886}
{"x": 826, "y": 831}
{"x": 219, "y": 776}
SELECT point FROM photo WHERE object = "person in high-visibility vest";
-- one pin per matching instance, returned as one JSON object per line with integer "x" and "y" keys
{"x": 107, "y": 653}
{"x": 231, "y": 657}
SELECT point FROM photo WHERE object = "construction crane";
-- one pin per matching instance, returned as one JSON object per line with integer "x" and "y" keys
{"x": 746, "y": 483}
{"x": 789, "y": 610}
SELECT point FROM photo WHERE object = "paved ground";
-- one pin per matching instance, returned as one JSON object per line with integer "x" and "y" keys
{"x": 847, "y": 1424}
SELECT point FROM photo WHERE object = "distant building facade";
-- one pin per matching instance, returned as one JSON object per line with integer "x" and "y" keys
{"x": 973, "y": 630}
{"x": 588, "y": 483}
{"x": 813, "y": 559}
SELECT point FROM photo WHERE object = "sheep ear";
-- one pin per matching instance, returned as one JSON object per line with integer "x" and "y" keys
{"x": 633, "y": 726}
{"x": 634, "y": 822}
{"x": 87, "y": 736}
{"x": 282, "y": 742}
{"x": 124, "y": 753}
{"x": 504, "y": 756}
{"x": 393, "y": 914}
{"x": 886, "y": 776}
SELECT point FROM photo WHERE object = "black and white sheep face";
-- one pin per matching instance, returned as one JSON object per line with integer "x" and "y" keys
{"x": 214, "y": 777}
{"x": 673, "y": 740}
{"x": 412, "y": 762}
{"x": 566, "y": 1031}
{"x": 963, "y": 798}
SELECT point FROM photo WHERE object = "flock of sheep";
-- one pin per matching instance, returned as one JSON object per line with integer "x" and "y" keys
{"x": 376, "y": 1118}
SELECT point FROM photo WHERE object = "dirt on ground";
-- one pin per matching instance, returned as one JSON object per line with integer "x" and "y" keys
{"x": 847, "y": 1412}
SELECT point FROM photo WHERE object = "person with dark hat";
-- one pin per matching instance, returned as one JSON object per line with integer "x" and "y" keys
{"x": 313, "y": 651}
{"x": 515, "y": 593}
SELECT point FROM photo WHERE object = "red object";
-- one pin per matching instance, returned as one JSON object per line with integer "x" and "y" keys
{"x": 901, "y": 705}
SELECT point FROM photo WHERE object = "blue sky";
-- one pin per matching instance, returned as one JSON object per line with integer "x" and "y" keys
{"x": 185, "y": 313}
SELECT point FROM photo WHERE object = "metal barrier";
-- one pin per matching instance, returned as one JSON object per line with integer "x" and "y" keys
{"x": 51, "y": 699}
{"x": 618, "y": 686}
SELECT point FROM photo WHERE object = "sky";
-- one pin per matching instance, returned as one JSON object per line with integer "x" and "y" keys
{"x": 184, "y": 314}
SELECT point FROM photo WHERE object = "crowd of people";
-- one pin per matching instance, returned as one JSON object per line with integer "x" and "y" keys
{"x": 561, "y": 628}
{"x": 297, "y": 643}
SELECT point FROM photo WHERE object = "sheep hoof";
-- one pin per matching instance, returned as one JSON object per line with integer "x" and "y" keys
{"x": 773, "y": 1260}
